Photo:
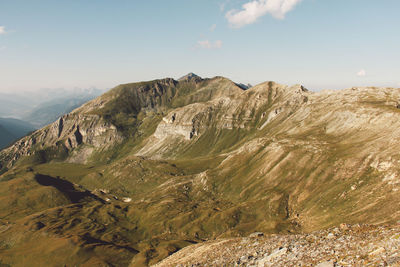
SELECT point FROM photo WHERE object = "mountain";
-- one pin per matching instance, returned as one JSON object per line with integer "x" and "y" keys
{"x": 190, "y": 77}
{"x": 5, "y": 137}
{"x": 50, "y": 111}
{"x": 148, "y": 168}
{"x": 32, "y": 110}
{"x": 12, "y": 129}
{"x": 44, "y": 106}
{"x": 14, "y": 105}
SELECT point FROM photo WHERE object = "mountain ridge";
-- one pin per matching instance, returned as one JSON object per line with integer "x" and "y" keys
{"x": 174, "y": 163}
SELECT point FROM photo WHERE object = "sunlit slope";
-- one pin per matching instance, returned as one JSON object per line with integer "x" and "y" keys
{"x": 151, "y": 167}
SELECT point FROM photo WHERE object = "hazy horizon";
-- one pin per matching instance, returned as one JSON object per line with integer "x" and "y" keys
{"x": 322, "y": 45}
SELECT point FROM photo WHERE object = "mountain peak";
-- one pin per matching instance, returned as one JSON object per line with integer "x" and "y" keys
{"x": 190, "y": 77}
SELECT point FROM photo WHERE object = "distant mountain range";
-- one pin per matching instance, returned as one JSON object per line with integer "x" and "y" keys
{"x": 13, "y": 129}
{"x": 27, "y": 105}
{"x": 21, "y": 113}
{"x": 49, "y": 111}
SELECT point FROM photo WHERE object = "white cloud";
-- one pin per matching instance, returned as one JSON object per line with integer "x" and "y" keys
{"x": 361, "y": 73}
{"x": 2, "y": 47}
{"x": 213, "y": 27}
{"x": 2, "y": 29}
{"x": 255, "y": 9}
{"x": 206, "y": 44}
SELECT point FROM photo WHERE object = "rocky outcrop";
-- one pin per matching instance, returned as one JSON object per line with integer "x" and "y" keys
{"x": 348, "y": 245}
{"x": 93, "y": 125}
{"x": 245, "y": 110}
{"x": 69, "y": 132}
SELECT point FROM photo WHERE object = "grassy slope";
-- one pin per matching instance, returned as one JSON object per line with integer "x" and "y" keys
{"x": 210, "y": 187}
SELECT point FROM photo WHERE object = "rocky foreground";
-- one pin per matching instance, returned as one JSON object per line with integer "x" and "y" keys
{"x": 347, "y": 245}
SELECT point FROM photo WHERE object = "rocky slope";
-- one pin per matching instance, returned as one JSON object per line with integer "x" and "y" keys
{"x": 347, "y": 245}
{"x": 163, "y": 164}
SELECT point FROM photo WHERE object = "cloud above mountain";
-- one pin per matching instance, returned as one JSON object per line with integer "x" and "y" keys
{"x": 253, "y": 10}
{"x": 2, "y": 29}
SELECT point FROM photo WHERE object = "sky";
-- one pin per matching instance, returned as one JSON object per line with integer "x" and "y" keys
{"x": 102, "y": 43}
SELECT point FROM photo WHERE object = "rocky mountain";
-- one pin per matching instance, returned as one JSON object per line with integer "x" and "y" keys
{"x": 148, "y": 168}
{"x": 48, "y": 112}
{"x": 190, "y": 77}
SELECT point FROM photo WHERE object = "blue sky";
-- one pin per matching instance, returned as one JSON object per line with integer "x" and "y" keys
{"x": 101, "y": 43}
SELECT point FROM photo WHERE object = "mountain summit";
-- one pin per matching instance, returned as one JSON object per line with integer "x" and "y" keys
{"x": 148, "y": 168}
{"x": 190, "y": 77}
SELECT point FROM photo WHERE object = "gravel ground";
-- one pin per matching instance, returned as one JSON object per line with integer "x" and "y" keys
{"x": 347, "y": 245}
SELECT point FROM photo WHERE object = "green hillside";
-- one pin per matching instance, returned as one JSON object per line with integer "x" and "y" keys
{"x": 149, "y": 168}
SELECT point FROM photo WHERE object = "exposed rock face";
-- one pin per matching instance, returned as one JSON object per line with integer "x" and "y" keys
{"x": 232, "y": 109}
{"x": 88, "y": 127}
{"x": 70, "y": 131}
